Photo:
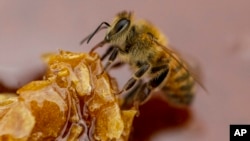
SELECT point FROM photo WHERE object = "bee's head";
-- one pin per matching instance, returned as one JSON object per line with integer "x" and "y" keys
{"x": 117, "y": 33}
{"x": 119, "y": 29}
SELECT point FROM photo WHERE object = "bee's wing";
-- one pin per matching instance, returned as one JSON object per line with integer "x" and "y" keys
{"x": 193, "y": 66}
{"x": 193, "y": 69}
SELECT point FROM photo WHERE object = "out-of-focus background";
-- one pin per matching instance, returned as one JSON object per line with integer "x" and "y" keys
{"x": 215, "y": 34}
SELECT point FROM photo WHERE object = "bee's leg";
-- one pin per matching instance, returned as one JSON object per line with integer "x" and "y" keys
{"x": 114, "y": 52}
{"x": 138, "y": 74}
{"x": 140, "y": 94}
{"x": 108, "y": 51}
{"x": 149, "y": 86}
{"x": 158, "y": 79}
{"x": 117, "y": 65}
{"x": 129, "y": 99}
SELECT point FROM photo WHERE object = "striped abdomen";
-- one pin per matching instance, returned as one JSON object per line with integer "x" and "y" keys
{"x": 179, "y": 87}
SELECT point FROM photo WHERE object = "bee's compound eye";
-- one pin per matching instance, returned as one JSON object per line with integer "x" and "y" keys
{"x": 121, "y": 24}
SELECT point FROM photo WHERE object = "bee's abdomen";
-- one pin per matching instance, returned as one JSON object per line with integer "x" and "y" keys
{"x": 179, "y": 88}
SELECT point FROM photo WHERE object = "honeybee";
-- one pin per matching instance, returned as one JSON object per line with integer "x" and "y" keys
{"x": 146, "y": 50}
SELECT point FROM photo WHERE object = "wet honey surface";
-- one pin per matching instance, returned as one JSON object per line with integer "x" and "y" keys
{"x": 63, "y": 106}
{"x": 69, "y": 103}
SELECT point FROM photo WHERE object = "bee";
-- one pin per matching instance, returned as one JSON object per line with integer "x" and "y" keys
{"x": 141, "y": 45}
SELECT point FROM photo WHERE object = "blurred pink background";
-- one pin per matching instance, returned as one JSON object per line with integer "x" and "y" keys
{"x": 216, "y": 34}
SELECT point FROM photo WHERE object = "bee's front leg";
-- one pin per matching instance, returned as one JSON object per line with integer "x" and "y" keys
{"x": 108, "y": 51}
{"x": 114, "y": 52}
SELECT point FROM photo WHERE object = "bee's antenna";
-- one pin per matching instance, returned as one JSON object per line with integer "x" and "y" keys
{"x": 88, "y": 38}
